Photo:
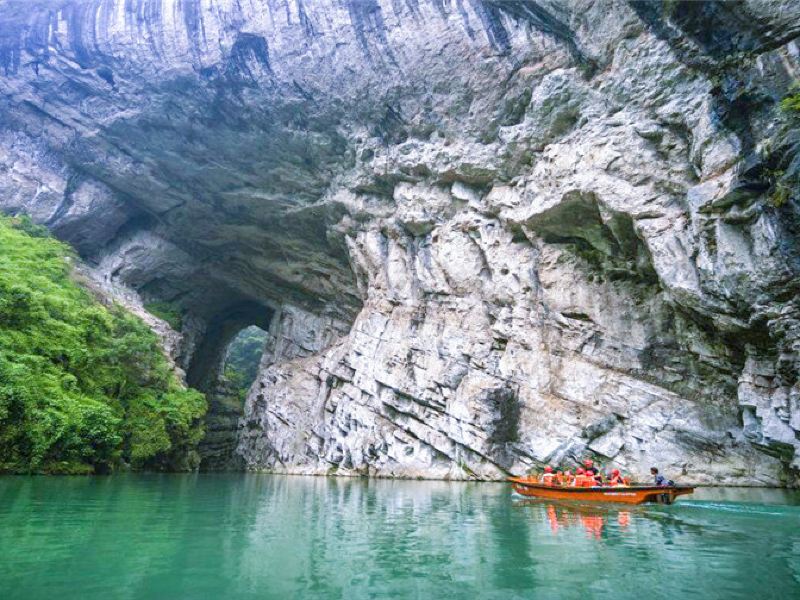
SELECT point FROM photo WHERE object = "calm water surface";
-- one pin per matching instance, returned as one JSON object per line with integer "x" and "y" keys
{"x": 261, "y": 536}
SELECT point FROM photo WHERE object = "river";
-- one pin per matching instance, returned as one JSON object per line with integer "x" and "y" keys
{"x": 260, "y": 536}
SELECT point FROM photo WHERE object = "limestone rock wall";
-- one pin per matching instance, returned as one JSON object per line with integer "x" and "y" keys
{"x": 487, "y": 235}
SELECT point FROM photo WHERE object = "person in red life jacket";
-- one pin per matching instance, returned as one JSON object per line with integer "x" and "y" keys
{"x": 592, "y": 472}
{"x": 568, "y": 477}
{"x": 616, "y": 478}
{"x": 549, "y": 477}
{"x": 579, "y": 477}
{"x": 559, "y": 478}
{"x": 589, "y": 467}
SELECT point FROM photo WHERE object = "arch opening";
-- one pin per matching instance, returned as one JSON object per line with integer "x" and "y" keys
{"x": 223, "y": 365}
{"x": 240, "y": 366}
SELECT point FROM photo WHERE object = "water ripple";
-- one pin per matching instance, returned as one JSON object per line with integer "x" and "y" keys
{"x": 251, "y": 536}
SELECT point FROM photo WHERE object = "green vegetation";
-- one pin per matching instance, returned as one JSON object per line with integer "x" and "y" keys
{"x": 791, "y": 103}
{"x": 780, "y": 195}
{"x": 167, "y": 312}
{"x": 244, "y": 355}
{"x": 82, "y": 387}
{"x": 779, "y": 190}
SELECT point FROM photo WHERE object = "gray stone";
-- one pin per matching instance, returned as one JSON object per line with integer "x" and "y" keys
{"x": 473, "y": 234}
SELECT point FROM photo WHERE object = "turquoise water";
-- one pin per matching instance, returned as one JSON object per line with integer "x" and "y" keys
{"x": 261, "y": 536}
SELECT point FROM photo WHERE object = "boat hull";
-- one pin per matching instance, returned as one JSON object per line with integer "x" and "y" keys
{"x": 620, "y": 494}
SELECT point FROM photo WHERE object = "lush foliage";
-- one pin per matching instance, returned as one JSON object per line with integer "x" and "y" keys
{"x": 791, "y": 103}
{"x": 244, "y": 355}
{"x": 82, "y": 387}
{"x": 166, "y": 312}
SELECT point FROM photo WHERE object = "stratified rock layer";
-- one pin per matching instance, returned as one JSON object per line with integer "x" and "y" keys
{"x": 485, "y": 235}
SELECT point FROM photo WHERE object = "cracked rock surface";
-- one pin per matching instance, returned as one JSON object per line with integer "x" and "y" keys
{"x": 484, "y": 235}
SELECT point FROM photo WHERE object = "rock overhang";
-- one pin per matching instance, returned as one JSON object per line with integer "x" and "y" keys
{"x": 228, "y": 148}
{"x": 377, "y": 164}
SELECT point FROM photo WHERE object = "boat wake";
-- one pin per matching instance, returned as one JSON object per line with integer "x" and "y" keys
{"x": 741, "y": 508}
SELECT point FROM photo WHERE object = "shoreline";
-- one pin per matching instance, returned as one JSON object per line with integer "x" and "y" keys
{"x": 345, "y": 476}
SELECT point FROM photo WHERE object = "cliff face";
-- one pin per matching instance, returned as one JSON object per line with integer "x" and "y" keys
{"x": 484, "y": 235}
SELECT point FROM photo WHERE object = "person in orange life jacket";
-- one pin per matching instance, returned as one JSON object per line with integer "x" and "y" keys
{"x": 616, "y": 478}
{"x": 592, "y": 471}
{"x": 549, "y": 477}
{"x": 579, "y": 477}
{"x": 589, "y": 467}
{"x": 568, "y": 477}
{"x": 584, "y": 479}
{"x": 559, "y": 478}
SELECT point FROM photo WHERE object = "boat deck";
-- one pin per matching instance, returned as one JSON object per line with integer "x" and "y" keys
{"x": 626, "y": 494}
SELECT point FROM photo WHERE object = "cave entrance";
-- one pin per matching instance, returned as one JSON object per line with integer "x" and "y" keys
{"x": 224, "y": 364}
{"x": 242, "y": 358}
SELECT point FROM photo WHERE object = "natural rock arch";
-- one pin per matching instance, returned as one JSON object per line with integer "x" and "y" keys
{"x": 439, "y": 199}
{"x": 225, "y": 408}
{"x": 207, "y": 359}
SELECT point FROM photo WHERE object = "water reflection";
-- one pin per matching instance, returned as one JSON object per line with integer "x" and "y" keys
{"x": 592, "y": 518}
{"x": 251, "y": 536}
{"x": 592, "y": 521}
{"x": 341, "y": 535}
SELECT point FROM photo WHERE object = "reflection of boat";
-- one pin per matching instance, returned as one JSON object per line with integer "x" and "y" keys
{"x": 634, "y": 494}
{"x": 591, "y": 517}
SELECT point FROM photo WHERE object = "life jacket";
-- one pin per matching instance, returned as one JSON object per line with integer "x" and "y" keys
{"x": 547, "y": 478}
{"x": 589, "y": 481}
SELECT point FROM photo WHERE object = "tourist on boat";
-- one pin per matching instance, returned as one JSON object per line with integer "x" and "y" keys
{"x": 548, "y": 477}
{"x": 659, "y": 479}
{"x": 579, "y": 478}
{"x": 589, "y": 467}
{"x": 616, "y": 478}
{"x": 583, "y": 479}
{"x": 568, "y": 477}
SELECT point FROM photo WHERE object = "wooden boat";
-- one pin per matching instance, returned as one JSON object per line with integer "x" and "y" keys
{"x": 625, "y": 494}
